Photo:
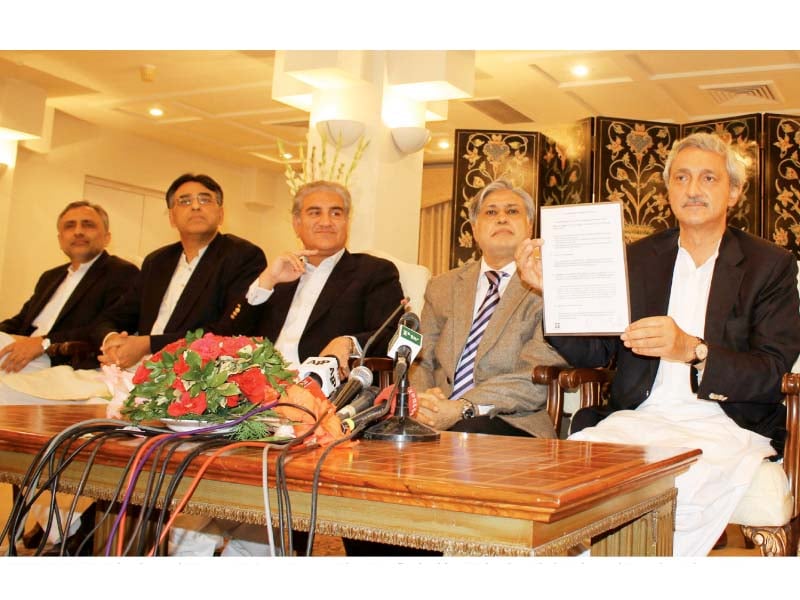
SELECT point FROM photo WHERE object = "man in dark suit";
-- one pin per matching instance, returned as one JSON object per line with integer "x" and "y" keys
{"x": 67, "y": 299}
{"x": 194, "y": 283}
{"x": 323, "y": 300}
{"x": 716, "y": 323}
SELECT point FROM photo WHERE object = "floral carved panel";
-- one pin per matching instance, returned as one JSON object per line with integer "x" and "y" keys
{"x": 743, "y": 133}
{"x": 629, "y": 163}
{"x": 782, "y": 181}
{"x": 565, "y": 164}
{"x": 480, "y": 158}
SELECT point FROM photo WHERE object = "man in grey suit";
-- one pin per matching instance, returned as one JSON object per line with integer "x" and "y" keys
{"x": 482, "y": 332}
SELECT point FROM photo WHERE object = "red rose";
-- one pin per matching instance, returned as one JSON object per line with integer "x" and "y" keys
{"x": 196, "y": 405}
{"x": 232, "y": 345}
{"x": 142, "y": 374}
{"x": 207, "y": 347}
{"x": 231, "y": 401}
{"x": 252, "y": 384}
{"x": 171, "y": 347}
{"x": 176, "y": 409}
{"x": 178, "y": 385}
{"x": 180, "y": 367}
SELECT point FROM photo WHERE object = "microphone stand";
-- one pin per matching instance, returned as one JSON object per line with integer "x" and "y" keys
{"x": 401, "y": 427}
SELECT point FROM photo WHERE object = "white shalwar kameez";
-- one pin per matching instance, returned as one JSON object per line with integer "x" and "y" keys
{"x": 673, "y": 416}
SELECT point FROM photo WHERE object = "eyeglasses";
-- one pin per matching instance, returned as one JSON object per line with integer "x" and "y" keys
{"x": 203, "y": 199}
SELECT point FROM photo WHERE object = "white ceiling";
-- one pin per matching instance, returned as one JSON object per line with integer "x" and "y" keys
{"x": 219, "y": 103}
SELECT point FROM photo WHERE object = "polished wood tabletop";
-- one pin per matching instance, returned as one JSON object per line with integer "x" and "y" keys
{"x": 535, "y": 480}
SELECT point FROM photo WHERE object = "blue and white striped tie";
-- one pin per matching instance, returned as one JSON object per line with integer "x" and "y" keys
{"x": 464, "y": 378}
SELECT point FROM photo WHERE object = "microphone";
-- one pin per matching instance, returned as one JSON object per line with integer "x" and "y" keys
{"x": 382, "y": 328}
{"x": 322, "y": 369}
{"x": 406, "y": 344}
{"x": 359, "y": 378}
{"x": 365, "y": 416}
{"x": 363, "y": 401}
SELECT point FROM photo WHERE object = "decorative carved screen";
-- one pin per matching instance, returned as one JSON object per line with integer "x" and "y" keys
{"x": 480, "y": 158}
{"x": 565, "y": 164}
{"x": 782, "y": 181}
{"x": 744, "y": 133}
{"x": 629, "y": 160}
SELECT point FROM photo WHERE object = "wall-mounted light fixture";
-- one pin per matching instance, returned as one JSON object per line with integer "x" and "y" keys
{"x": 342, "y": 131}
{"x": 410, "y": 139}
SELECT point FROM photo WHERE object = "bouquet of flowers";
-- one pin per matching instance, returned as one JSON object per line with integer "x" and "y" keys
{"x": 218, "y": 379}
{"x": 211, "y": 378}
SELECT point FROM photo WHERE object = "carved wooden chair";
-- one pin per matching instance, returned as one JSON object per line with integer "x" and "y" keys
{"x": 769, "y": 513}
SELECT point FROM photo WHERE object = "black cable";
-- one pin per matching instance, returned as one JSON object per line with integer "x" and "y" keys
{"x": 318, "y": 469}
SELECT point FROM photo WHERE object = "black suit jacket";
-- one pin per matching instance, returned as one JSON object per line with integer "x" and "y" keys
{"x": 102, "y": 285}
{"x": 752, "y": 329}
{"x": 361, "y": 292}
{"x": 226, "y": 269}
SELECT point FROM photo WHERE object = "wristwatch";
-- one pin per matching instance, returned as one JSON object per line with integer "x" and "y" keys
{"x": 468, "y": 411}
{"x": 45, "y": 344}
{"x": 700, "y": 352}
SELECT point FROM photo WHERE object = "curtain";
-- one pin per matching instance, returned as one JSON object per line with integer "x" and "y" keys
{"x": 434, "y": 236}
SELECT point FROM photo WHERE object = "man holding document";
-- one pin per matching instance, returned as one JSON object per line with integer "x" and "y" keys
{"x": 715, "y": 322}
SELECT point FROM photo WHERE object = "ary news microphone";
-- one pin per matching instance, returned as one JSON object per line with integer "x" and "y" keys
{"x": 406, "y": 344}
{"x": 364, "y": 400}
{"x": 359, "y": 378}
{"x": 322, "y": 369}
{"x": 383, "y": 328}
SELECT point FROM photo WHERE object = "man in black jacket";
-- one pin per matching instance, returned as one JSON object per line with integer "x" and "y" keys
{"x": 715, "y": 324}
{"x": 194, "y": 283}
{"x": 68, "y": 299}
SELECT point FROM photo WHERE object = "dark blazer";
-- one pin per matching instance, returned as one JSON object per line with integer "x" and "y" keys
{"x": 102, "y": 285}
{"x": 361, "y": 292}
{"x": 752, "y": 329}
{"x": 227, "y": 268}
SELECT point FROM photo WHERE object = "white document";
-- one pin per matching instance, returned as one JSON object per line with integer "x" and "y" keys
{"x": 584, "y": 271}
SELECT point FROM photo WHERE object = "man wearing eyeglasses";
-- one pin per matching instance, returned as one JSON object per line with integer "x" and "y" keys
{"x": 191, "y": 284}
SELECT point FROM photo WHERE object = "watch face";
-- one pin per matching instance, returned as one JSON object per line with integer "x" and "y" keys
{"x": 701, "y": 351}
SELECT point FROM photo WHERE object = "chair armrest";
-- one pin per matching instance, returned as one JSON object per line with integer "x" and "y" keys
{"x": 589, "y": 383}
{"x": 548, "y": 375}
{"x": 791, "y": 452}
{"x": 77, "y": 352}
{"x": 382, "y": 366}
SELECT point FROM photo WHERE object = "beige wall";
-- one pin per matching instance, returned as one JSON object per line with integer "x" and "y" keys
{"x": 256, "y": 202}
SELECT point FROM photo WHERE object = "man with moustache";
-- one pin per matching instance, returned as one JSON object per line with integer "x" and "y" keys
{"x": 716, "y": 323}
{"x": 67, "y": 299}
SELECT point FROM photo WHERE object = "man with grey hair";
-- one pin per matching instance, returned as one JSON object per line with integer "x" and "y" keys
{"x": 323, "y": 300}
{"x": 482, "y": 331}
{"x": 67, "y": 299}
{"x": 715, "y": 324}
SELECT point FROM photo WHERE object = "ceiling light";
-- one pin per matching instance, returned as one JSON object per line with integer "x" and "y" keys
{"x": 580, "y": 70}
{"x": 288, "y": 155}
{"x": 156, "y": 112}
{"x": 443, "y": 144}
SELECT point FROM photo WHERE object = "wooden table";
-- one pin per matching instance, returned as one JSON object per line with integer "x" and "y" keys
{"x": 464, "y": 494}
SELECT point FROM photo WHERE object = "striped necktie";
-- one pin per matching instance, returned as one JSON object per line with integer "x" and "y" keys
{"x": 464, "y": 380}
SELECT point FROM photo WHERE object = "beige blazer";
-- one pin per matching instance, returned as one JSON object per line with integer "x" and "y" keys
{"x": 511, "y": 345}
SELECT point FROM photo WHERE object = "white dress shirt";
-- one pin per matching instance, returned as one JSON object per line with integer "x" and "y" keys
{"x": 44, "y": 320}
{"x": 305, "y": 297}
{"x": 507, "y": 272}
{"x": 183, "y": 272}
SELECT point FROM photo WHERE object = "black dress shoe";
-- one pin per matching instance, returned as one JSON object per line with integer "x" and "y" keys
{"x": 33, "y": 538}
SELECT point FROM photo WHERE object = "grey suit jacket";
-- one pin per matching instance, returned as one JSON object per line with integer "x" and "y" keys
{"x": 511, "y": 346}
